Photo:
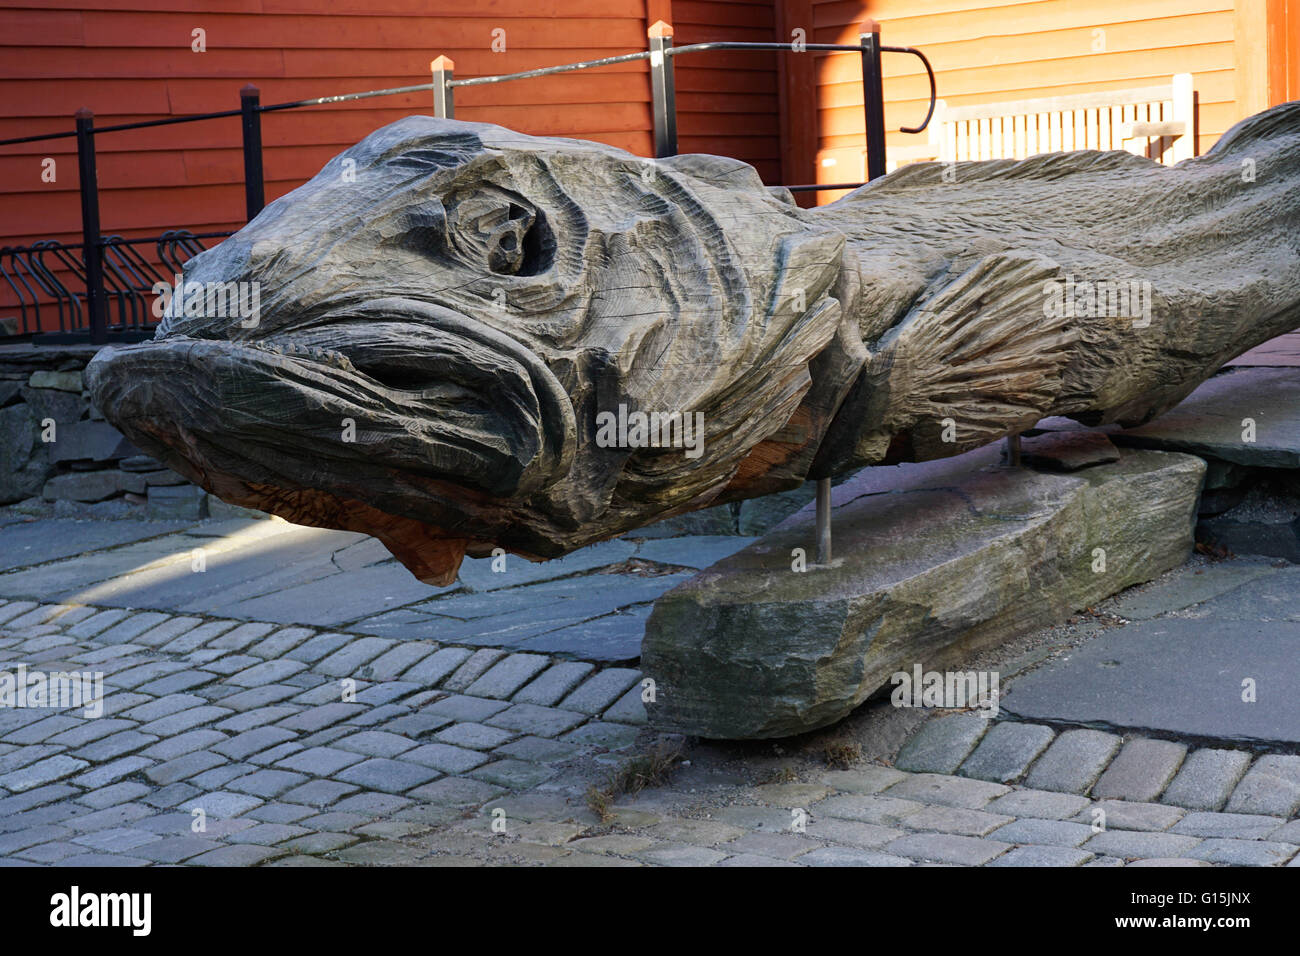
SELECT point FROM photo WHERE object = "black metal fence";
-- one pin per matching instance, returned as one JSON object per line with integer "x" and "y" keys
{"x": 113, "y": 272}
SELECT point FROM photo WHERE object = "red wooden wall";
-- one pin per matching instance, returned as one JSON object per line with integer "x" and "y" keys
{"x": 727, "y": 102}
{"x": 132, "y": 60}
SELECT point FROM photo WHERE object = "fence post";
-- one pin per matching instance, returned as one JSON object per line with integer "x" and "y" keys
{"x": 663, "y": 90}
{"x": 444, "y": 101}
{"x": 251, "y": 115}
{"x": 873, "y": 98}
{"x": 93, "y": 251}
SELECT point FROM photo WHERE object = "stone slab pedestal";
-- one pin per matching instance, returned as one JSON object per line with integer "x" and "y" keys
{"x": 934, "y": 562}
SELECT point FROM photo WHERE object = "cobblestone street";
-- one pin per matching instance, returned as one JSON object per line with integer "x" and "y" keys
{"x": 280, "y": 695}
{"x": 313, "y": 747}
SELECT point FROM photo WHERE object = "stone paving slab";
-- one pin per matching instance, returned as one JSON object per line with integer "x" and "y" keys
{"x": 1006, "y": 751}
{"x": 1207, "y": 778}
{"x": 37, "y": 542}
{"x": 1074, "y": 761}
{"x": 941, "y": 744}
{"x": 247, "y": 720}
{"x": 1208, "y": 422}
{"x": 1175, "y": 675}
{"x": 1141, "y": 771}
{"x": 272, "y": 571}
{"x": 1271, "y": 786}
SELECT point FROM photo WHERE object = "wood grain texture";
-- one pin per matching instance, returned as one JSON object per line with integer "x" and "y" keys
{"x": 441, "y": 333}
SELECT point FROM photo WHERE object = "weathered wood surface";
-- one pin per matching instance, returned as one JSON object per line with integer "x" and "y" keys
{"x": 470, "y": 299}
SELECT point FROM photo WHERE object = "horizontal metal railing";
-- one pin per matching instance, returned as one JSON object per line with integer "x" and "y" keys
{"x": 36, "y": 274}
{"x": 113, "y": 272}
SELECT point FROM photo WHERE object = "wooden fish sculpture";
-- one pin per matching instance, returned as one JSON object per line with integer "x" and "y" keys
{"x": 465, "y": 338}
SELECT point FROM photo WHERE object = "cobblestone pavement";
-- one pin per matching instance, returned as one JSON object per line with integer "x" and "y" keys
{"x": 227, "y": 742}
{"x": 276, "y": 572}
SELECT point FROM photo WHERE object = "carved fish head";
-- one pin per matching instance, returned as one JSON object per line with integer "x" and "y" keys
{"x": 442, "y": 312}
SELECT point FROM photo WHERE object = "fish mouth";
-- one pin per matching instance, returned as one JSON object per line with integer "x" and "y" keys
{"x": 387, "y": 409}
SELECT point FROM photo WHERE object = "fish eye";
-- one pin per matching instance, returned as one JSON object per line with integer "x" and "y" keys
{"x": 492, "y": 228}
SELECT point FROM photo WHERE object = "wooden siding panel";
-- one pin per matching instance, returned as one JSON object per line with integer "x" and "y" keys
{"x": 990, "y": 51}
{"x": 716, "y": 113}
{"x": 130, "y": 60}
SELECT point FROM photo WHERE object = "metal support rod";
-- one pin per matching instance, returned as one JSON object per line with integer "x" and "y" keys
{"x": 1013, "y": 450}
{"x": 251, "y": 119}
{"x": 823, "y": 521}
{"x": 91, "y": 249}
{"x": 873, "y": 98}
{"x": 663, "y": 90}
{"x": 444, "y": 103}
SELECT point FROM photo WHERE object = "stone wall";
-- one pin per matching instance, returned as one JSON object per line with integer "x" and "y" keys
{"x": 59, "y": 457}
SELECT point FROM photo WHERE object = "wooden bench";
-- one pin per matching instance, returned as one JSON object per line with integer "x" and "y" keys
{"x": 1158, "y": 122}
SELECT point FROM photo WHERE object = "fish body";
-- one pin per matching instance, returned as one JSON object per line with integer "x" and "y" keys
{"x": 468, "y": 338}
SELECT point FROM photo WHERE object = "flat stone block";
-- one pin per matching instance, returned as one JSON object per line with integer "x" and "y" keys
{"x": 601, "y": 690}
{"x": 1048, "y": 832}
{"x": 1043, "y": 856}
{"x": 1208, "y": 422}
{"x": 1006, "y": 751}
{"x": 390, "y": 776}
{"x": 456, "y": 792}
{"x": 846, "y": 856}
{"x": 1130, "y": 844}
{"x": 549, "y": 687}
{"x": 514, "y": 774}
{"x": 947, "y": 848}
{"x": 1175, "y": 675}
{"x": 187, "y": 502}
{"x": 83, "y": 486}
{"x": 1207, "y": 778}
{"x": 941, "y": 744}
{"x": 1234, "y": 826}
{"x": 1126, "y": 815}
{"x": 90, "y": 441}
{"x": 1041, "y": 804}
{"x": 681, "y": 855}
{"x": 1142, "y": 770}
{"x": 864, "y": 780}
{"x": 957, "y": 820}
{"x": 870, "y": 808}
{"x": 350, "y": 659}
{"x": 472, "y": 669}
{"x": 831, "y": 830}
{"x": 1271, "y": 786}
{"x": 1244, "y": 852}
{"x": 541, "y": 721}
{"x": 508, "y": 675}
{"x": 446, "y": 758}
{"x": 628, "y": 709}
{"x": 1074, "y": 761}
{"x": 959, "y": 561}
{"x": 947, "y": 791}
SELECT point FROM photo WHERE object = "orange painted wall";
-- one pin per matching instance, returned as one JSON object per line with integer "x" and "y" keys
{"x": 1241, "y": 54}
{"x": 132, "y": 60}
{"x": 728, "y": 102}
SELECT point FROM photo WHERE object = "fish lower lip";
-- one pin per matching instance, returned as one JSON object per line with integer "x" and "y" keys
{"x": 555, "y": 406}
{"x": 238, "y": 407}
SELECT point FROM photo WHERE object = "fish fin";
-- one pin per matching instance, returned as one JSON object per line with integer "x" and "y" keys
{"x": 977, "y": 358}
